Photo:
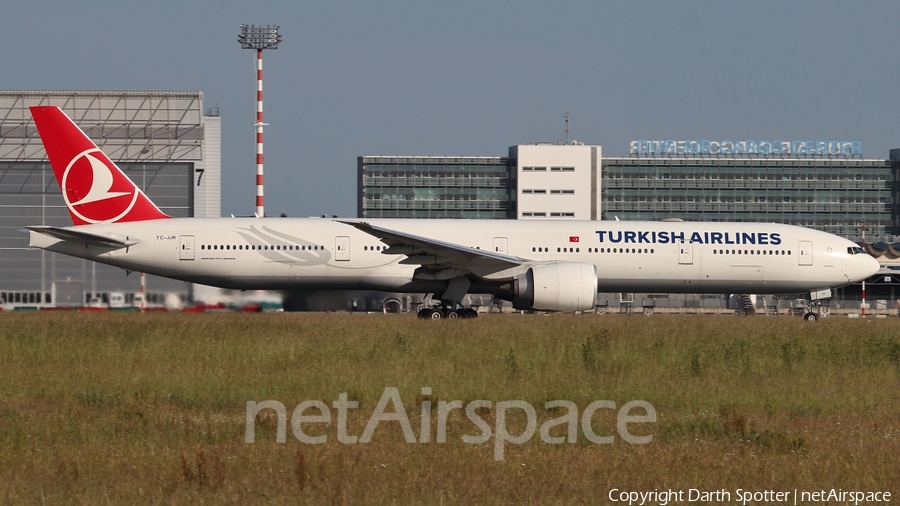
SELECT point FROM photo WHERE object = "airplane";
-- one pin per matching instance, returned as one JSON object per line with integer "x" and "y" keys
{"x": 537, "y": 265}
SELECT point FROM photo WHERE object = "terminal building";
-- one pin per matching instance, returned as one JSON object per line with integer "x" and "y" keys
{"x": 833, "y": 193}
{"x": 827, "y": 186}
{"x": 163, "y": 141}
{"x": 536, "y": 181}
{"x": 478, "y": 187}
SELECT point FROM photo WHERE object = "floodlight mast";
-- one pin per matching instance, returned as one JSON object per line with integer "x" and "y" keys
{"x": 259, "y": 38}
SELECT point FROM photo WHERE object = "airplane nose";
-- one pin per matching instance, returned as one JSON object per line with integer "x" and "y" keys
{"x": 873, "y": 267}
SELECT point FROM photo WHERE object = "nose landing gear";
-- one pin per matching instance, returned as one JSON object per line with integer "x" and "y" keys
{"x": 818, "y": 306}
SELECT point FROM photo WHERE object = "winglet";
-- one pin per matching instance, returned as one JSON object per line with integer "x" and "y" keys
{"x": 94, "y": 189}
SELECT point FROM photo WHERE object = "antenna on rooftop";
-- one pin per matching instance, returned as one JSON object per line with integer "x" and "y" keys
{"x": 567, "y": 127}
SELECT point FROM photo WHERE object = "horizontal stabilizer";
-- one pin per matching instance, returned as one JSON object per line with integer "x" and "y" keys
{"x": 87, "y": 238}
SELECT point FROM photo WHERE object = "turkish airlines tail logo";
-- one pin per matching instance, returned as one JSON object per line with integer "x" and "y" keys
{"x": 101, "y": 184}
{"x": 94, "y": 189}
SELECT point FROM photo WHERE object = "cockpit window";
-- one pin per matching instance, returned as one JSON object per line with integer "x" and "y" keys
{"x": 855, "y": 250}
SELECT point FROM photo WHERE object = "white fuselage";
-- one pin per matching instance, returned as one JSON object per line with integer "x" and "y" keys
{"x": 292, "y": 253}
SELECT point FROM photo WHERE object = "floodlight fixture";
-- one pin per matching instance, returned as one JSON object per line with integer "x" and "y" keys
{"x": 259, "y": 37}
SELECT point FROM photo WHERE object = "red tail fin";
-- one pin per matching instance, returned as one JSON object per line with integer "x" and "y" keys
{"x": 94, "y": 189}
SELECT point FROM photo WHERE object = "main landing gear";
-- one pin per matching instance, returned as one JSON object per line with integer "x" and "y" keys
{"x": 450, "y": 306}
{"x": 446, "y": 309}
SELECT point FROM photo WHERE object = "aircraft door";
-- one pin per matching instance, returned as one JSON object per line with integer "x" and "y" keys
{"x": 186, "y": 247}
{"x": 685, "y": 253}
{"x": 342, "y": 248}
{"x": 805, "y": 256}
{"x": 501, "y": 244}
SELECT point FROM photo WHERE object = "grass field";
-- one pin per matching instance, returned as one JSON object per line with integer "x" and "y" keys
{"x": 149, "y": 408}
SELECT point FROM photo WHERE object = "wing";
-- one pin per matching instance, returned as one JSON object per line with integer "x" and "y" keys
{"x": 440, "y": 258}
{"x": 86, "y": 238}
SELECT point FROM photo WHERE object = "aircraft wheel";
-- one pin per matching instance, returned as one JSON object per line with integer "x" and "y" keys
{"x": 452, "y": 314}
{"x": 810, "y": 317}
{"x": 424, "y": 313}
{"x": 471, "y": 313}
{"x": 435, "y": 314}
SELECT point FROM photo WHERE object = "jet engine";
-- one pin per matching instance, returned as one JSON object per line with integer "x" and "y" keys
{"x": 557, "y": 286}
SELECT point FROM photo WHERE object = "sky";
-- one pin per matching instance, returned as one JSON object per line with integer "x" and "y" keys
{"x": 472, "y": 77}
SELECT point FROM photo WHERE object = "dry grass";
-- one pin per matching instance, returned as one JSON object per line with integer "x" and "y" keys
{"x": 131, "y": 408}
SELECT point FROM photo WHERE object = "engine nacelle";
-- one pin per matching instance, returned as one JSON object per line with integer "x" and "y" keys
{"x": 558, "y": 286}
